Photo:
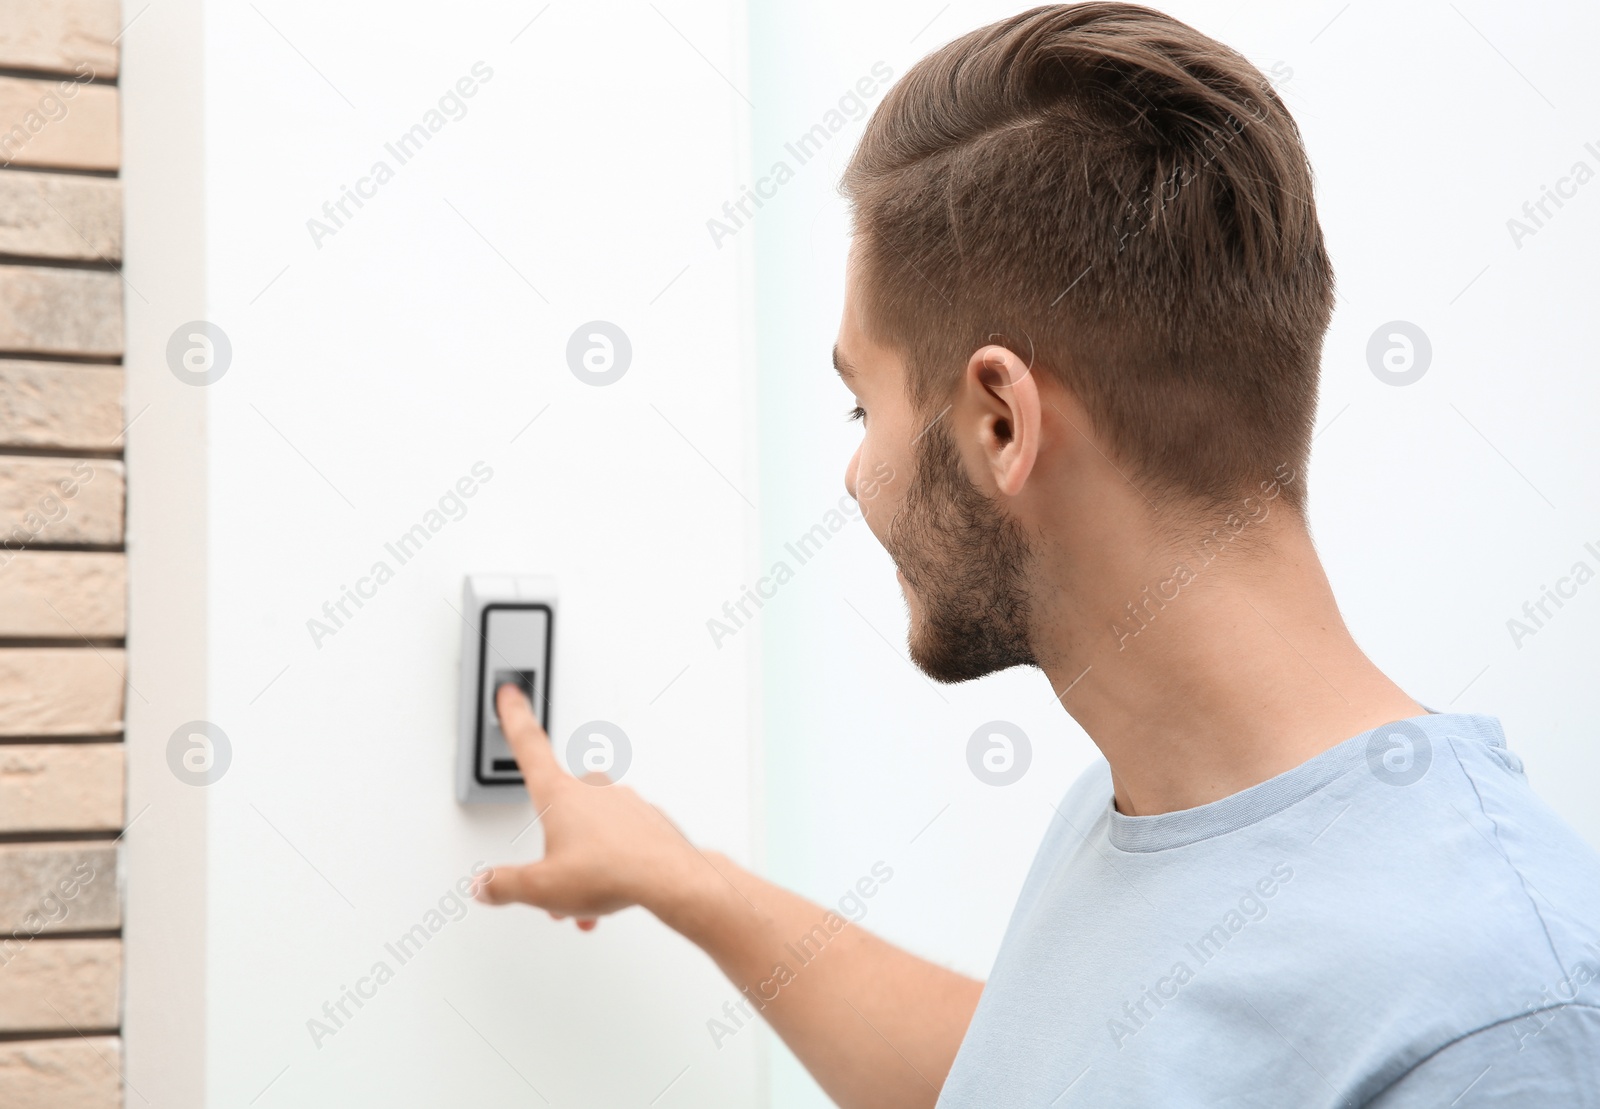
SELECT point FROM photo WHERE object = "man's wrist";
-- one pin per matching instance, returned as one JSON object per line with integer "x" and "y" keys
{"x": 697, "y": 899}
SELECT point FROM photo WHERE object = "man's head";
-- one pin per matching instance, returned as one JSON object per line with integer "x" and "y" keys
{"x": 1087, "y": 227}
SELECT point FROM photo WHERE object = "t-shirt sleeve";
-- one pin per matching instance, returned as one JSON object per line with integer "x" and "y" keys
{"x": 1551, "y": 1057}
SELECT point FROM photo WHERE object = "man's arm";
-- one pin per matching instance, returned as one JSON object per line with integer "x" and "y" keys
{"x": 1547, "y": 1057}
{"x": 874, "y": 1024}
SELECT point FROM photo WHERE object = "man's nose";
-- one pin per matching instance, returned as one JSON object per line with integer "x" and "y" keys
{"x": 850, "y": 474}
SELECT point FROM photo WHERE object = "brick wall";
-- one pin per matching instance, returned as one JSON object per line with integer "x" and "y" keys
{"x": 62, "y": 566}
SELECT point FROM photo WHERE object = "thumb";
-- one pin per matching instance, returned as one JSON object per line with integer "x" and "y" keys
{"x": 506, "y": 884}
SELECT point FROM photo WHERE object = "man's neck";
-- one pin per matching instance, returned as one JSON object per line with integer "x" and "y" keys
{"x": 1219, "y": 679}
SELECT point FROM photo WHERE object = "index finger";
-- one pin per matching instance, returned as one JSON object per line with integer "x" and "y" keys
{"x": 529, "y": 742}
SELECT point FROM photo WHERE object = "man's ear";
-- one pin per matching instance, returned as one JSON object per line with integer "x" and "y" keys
{"x": 1009, "y": 417}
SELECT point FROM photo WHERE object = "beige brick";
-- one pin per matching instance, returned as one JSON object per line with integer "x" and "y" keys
{"x": 61, "y": 36}
{"x": 66, "y": 691}
{"x": 57, "y": 887}
{"x": 60, "y": 787}
{"x": 75, "y": 1073}
{"x": 64, "y": 595}
{"x": 60, "y": 123}
{"x": 59, "y": 985}
{"x": 60, "y": 404}
{"x": 58, "y": 215}
{"x": 46, "y": 310}
{"x": 58, "y": 501}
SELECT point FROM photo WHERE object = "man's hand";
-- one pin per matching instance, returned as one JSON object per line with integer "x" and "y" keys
{"x": 605, "y": 848}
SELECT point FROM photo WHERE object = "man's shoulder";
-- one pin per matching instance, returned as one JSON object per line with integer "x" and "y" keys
{"x": 1475, "y": 818}
{"x": 1374, "y": 907}
{"x": 1550, "y": 1056}
{"x": 1451, "y": 886}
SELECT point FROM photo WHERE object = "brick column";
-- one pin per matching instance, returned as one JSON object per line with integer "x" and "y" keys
{"x": 63, "y": 580}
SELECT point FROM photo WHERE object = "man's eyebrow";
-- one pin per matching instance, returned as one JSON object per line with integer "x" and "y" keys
{"x": 842, "y": 366}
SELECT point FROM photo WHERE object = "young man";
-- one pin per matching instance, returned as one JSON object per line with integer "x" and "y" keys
{"x": 1085, "y": 306}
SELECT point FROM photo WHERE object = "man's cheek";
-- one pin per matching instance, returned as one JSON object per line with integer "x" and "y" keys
{"x": 875, "y": 484}
{"x": 877, "y": 501}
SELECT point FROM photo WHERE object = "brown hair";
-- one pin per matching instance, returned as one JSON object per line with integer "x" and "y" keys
{"x": 1125, "y": 204}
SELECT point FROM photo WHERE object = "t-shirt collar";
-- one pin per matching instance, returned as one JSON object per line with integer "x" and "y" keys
{"x": 1239, "y": 810}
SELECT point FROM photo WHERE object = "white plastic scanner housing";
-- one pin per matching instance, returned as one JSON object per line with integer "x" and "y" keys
{"x": 509, "y": 636}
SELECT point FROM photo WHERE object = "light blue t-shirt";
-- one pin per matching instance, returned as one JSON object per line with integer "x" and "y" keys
{"x": 1398, "y": 922}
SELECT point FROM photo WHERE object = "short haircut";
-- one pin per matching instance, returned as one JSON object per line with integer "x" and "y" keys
{"x": 1126, "y": 204}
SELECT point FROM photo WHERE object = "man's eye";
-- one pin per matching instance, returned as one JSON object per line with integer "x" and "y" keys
{"x": 856, "y": 413}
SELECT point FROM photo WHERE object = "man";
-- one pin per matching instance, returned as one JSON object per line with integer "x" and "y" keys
{"x": 1085, "y": 306}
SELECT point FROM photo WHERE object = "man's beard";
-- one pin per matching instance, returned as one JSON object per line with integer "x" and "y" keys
{"x": 967, "y": 563}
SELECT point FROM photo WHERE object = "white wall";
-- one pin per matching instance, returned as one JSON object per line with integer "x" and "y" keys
{"x": 164, "y": 844}
{"x": 369, "y": 374}
{"x": 1426, "y": 141}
